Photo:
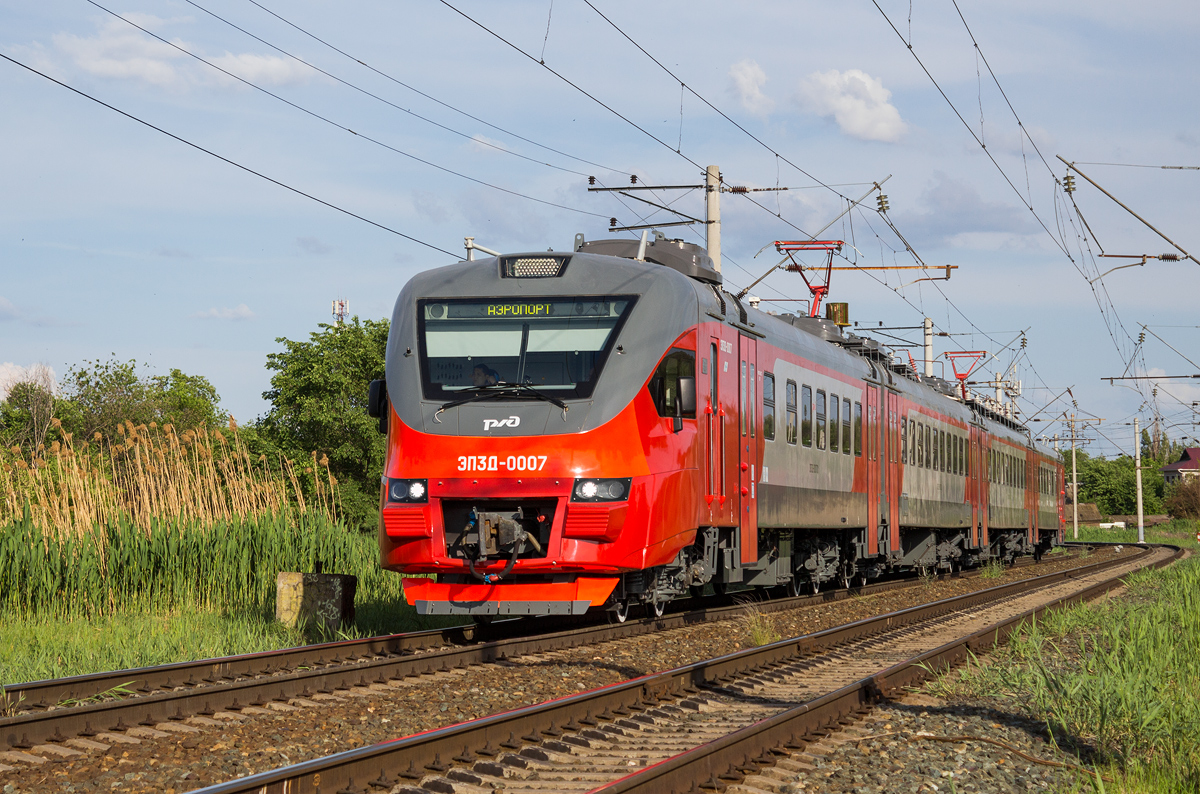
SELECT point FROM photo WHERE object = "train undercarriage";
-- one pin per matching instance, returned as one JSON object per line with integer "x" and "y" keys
{"x": 809, "y": 561}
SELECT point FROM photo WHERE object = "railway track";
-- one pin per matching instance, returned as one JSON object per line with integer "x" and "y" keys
{"x": 442, "y": 757}
{"x": 705, "y": 725}
{"x": 56, "y": 711}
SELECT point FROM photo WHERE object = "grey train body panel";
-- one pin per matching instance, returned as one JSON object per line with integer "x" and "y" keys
{"x": 667, "y": 305}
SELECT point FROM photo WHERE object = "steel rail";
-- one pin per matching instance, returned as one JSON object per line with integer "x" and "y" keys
{"x": 72, "y": 692}
{"x": 410, "y": 759}
{"x": 748, "y": 750}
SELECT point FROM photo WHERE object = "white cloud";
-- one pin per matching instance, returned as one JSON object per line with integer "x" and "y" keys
{"x": 264, "y": 69}
{"x": 11, "y": 374}
{"x": 7, "y": 310}
{"x": 857, "y": 101}
{"x": 121, "y": 51}
{"x": 239, "y": 312}
{"x": 746, "y": 79}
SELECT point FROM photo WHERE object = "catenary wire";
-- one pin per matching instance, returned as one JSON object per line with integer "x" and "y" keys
{"x": 430, "y": 97}
{"x": 574, "y": 85}
{"x": 211, "y": 153}
{"x": 713, "y": 107}
{"x": 372, "y": 95}
{"x": 338, "y": 125}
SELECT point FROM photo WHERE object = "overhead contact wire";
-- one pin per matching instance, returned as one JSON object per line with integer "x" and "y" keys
{"x": 376, "y": 97}
{"x": 430, "y": 97}
{"x": 342, "y": 127}
{"x": 211, "y": 153}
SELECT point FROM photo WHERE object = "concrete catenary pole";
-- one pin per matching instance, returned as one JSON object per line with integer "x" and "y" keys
{"x": 1137, "y": 466}
{"x": 712, "y": 206}
{"x": 1074, "y": 484}
{"x": 928, "y": 347}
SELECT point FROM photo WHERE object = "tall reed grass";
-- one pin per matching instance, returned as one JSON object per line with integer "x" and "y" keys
{"x": 230, "y": 564}
{"x": 151, "y": 473}
{"x": 155, "y": 519}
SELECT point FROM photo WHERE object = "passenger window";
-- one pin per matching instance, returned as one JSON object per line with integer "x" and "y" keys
{"x": 834, "y": 422}
{"x": 791, "y": 412}
{"x": 937, "y": 458}
{"x": 920, "y": 445}
{"x": 858, "y": 429}
{"x": 768, "y": 411}
{"x": 664, "y": 385}
{"x": 820, "y": 412}
{"x": 846, "y": 425}
{"x": 928, "y": 446}
{"x": 903, "y": 440}
{"x": 806, "y": 430}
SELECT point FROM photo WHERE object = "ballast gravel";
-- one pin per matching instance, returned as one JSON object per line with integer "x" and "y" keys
{"x": 906, "y": 746}
{"x": 268, "y": 738}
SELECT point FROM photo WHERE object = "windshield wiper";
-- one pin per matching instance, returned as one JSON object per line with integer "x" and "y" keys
{"x": 509, "y": 390}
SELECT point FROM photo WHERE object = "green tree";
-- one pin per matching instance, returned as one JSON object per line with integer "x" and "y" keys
{"x": 1112, "y": 484}
{"x": 103, "y": 394}
{"x": 318, "y": 402}
{"x": 26, "y": 413}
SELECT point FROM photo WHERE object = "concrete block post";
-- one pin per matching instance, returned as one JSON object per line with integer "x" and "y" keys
{"x": 321, "y": 601}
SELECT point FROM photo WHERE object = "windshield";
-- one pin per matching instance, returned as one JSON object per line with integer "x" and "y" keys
{"x": 557, "y": 345}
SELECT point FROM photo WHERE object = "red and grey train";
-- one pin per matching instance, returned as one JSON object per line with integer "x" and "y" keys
{"x": 568, "y": 431}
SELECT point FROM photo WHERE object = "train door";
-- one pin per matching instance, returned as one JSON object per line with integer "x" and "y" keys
{"x": 892, "y": 478}
{"x": 973, "y": 483}
{"x": 748, "y": 438}
{"x": 719, "y": 416}
{"x": 985, "y": 488}
{"x": 871, "y": 439}
{"x": 1031, "y": 494}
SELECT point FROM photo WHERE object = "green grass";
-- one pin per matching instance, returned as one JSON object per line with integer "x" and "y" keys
{"x": 993, "y": 570}
{"x": 121, "y": 597}
{"x": 1178, "y": 532}
{"x": 1117, "y": 681}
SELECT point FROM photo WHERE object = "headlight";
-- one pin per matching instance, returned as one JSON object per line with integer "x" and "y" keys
{"x": 408, "y": 490}
{"x": 595, "y": 490}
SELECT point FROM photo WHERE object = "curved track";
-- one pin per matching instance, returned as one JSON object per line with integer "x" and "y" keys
{"x": 680, "y": 721}
{"x": 53, "y": 712}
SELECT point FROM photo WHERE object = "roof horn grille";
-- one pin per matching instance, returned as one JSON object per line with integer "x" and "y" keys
{"x": 533, "y": 266}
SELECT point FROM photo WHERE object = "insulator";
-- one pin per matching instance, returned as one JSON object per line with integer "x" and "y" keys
{"x": 612, "y": 221}
{"x": 1024, "y": 342}
{"x": 738, "y": 189}
{"x": 633, "y": 179}
{"x": 1141, "y": 337}
{"x": 1154, "y": 392}
{"x": 591, "y": 180}
{"x": 1170, "y": 257}
{"x": 882, "y": 202}
{"x": 1069, "y": 183}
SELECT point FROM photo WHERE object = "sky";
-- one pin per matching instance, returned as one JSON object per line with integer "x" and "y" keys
{"x": 359, "y": 138}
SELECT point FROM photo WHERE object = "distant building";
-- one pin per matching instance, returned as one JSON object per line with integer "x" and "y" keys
{"x": 1187, "y": 466}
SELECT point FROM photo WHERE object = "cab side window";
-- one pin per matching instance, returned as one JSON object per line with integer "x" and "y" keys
{"x": 664, "y": 385}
